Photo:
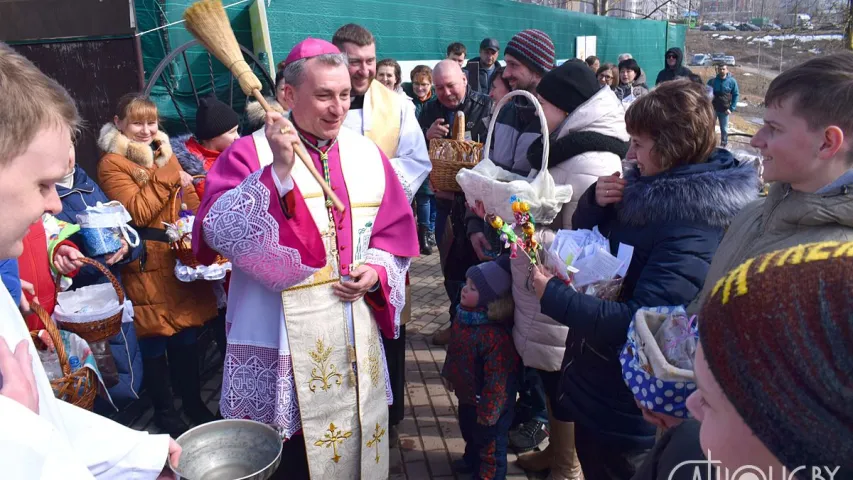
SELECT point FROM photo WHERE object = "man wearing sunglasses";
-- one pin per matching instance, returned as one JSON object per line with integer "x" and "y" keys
{"x": 674, "y": 68}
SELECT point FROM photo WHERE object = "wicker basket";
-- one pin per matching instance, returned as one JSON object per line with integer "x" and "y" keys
{"x": 77, "y": 388}
{"x": 448, "y": 156}
{"x": 183, "y": 248}
{"x": 100, "y": 329}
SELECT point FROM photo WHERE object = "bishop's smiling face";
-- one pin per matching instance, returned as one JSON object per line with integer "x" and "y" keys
{"x": 320, "y": 102}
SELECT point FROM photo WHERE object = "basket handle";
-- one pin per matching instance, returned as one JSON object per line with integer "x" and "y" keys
{"x": 175, "y": 209}
{"x": 459, "y": 127}
{"x": 53, "y": 332}
{"x": 107, "y": 273}
{"x": 546, "y": 141}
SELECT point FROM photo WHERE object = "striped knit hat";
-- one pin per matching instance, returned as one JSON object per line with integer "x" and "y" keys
{"x": 777, "y": 333}
{"x": 533, "y": 48}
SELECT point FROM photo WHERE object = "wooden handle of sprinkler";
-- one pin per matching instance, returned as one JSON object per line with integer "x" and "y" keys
{"x": 303, "y": 155}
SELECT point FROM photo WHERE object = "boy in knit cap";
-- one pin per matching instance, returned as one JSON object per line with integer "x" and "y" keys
{"x": 774, "y": 368}
{"x": 215, "y": 130}
{"x": 482, "y": 367}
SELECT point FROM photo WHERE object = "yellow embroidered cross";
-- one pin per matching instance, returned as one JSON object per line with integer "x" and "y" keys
{"x": 325, "y": 373}
{"x": 376, "y": 440}
{"x": 333, "y": 438}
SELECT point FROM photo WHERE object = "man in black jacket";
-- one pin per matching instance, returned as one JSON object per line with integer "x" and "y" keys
{"x": 488, "y": 64}
{"x": 437, "y": 120}
{"x": 674, "y": 68}
{"x": 454, "y": 95}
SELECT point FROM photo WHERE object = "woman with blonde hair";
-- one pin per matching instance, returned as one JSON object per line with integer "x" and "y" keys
{"x": 139, "y": 170}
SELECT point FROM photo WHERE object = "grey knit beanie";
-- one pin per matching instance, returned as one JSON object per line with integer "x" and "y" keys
{"x": 492, "y": 279}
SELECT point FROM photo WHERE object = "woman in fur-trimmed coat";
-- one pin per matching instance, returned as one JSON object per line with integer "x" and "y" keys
{"x": 144, "y": 180}
{"x": 139, "y": 170}
{"x": 674, "y": 221}
{"x": 673, "y": 208}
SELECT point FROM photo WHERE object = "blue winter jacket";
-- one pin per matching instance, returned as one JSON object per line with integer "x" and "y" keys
{"x": 675, "y": 221}
{"x": 11, "y": 278}
{"x": 124, "y": 345}
{"x": 727, "y": 91}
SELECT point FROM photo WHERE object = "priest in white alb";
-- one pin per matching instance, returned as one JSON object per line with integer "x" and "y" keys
{"x": 42, "y": 437}
{"x": 313, "y": 290}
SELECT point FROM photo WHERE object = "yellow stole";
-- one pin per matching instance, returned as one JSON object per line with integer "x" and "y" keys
{"x": 383, "y": 110}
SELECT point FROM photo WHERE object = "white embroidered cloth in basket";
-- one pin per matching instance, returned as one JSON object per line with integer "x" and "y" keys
{"x": 494, "y": 186}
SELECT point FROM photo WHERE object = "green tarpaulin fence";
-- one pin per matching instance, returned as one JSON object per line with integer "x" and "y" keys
{"x": 404, "y": 31}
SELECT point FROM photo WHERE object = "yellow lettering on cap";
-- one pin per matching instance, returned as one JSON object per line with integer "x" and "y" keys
{"x": 819, "y": 251}
{"x": 736, "y": 278}
{"x": 765, "y": 262}
{"x": 844, "y": 249}
{"x": 792, "y": 256}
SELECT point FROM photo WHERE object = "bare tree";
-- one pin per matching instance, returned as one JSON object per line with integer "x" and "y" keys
{"x": 647, "y": 8}
{"x": 848, "y": 26}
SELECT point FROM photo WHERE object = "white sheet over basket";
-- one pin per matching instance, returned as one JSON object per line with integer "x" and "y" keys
{"x": 494, "y": 186}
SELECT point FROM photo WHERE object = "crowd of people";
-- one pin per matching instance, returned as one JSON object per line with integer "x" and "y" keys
{"x": 311, "y": 322}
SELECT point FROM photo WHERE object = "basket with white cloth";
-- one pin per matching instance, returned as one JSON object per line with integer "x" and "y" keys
{"x": 449, "y": 156}
{"x": 494, "y": 186}
{"x": 661, "y": 377}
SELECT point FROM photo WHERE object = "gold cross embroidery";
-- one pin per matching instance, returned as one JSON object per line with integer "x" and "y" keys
{"x": 333, "y": 438}
{"x": 376, "y": 440}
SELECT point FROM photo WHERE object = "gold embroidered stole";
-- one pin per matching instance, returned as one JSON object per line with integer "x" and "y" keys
{"x": 343, "y": 407}
{"x": 383, "y": 110}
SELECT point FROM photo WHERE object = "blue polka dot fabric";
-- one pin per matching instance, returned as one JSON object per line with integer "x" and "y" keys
{"x": 657, "y": 395}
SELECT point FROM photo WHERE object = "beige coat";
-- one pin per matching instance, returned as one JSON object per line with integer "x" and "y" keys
{"x": 785, "y": 218}
{"x": 539, "y": 339}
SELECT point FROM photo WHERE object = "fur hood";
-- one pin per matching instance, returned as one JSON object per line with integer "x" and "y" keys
{"x": 255, "y": 113}
{"x": 501, "y": 310}
{"x": 111, "y": 140}
{"x": 710, "y": 193}
{"x": 190, "y": 162}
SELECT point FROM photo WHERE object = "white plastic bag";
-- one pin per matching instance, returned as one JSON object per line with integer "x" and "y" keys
{"x": 494, "y": 186}
{"x": 87, "y": 304}
{"x": 104, "y": 225}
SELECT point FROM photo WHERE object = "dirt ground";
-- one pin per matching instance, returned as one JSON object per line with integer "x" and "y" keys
{"x": 766, "y": 55}
{"x": 758, "y": 63}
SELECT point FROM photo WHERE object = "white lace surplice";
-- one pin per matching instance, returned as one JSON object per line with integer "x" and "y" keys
{"x": 258, "y": 380}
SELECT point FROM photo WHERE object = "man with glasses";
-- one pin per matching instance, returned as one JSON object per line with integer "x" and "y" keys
{"x": 674, "y": 68}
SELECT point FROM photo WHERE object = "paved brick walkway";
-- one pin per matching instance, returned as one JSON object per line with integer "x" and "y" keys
{"x": 429, "y": 436}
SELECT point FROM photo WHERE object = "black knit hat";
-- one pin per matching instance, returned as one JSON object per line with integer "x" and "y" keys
{"x": 777, "y": 334}
{"x": 213, "y": 118}
{"x": 533, "y": 48}
{"x": 569, "y": 85}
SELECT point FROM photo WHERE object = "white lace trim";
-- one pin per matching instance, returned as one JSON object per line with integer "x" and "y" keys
{"x": 258, "y": 384}
{"x": 396, "y": 269}
{"x": 389, "y": 394}
{"x": 407, "y": 190}
{"x": 240, "y": 227}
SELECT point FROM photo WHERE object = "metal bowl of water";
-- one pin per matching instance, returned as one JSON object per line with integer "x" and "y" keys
{"x": 229, "y": 450}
